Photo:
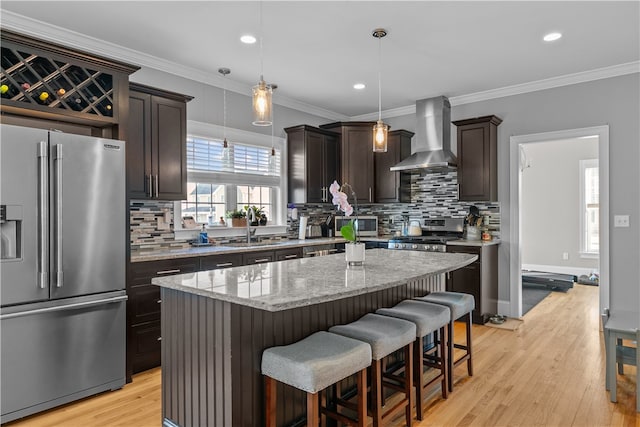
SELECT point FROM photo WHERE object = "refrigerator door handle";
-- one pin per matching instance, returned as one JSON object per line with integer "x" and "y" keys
{"x": 58, "y": 212}
{"x": 43, "y": 215}
{"x": 64, "y": 307}
{"x": 157, "y": 192}
{"x": 150, "y": 186}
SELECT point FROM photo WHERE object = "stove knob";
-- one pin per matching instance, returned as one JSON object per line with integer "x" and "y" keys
{"x": 414, "y": 246}
{"x": 426, "y": 247}
{"x": 398, "y": 245}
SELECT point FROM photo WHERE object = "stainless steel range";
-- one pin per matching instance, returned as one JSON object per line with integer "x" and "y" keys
{"x": 435, "y": 235}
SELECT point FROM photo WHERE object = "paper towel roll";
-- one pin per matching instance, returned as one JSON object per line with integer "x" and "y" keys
{"x": 302, "y": 230}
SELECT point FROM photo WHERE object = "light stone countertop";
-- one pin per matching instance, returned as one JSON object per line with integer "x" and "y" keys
{"x": 478, "y": 243}
{"x": 284, "y": 285}
{"x": 196, "y": 251}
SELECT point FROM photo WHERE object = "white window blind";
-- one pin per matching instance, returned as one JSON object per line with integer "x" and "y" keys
{"x": 206, "y": 155}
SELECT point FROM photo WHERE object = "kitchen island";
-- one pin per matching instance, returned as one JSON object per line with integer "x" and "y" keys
{"x": 216, "y": 324}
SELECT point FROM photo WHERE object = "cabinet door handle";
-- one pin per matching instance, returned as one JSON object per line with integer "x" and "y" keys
{"x": 225, "y": 264}
{"x": 369, "y": 194}
{"x": 159, "y": 339}
{"x": 168, "y": 272}
{"x": 150, "y": 186}
{"x": 157, "y": 191}
{"x": 159, "y": 301}
{"x": 261, "y": 260}
{"x": 290, "y": 256}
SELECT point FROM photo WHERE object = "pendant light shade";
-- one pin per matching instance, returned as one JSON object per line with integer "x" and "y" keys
{"x": 262, "y": 92}
{"x": 380, "y": 129}
{"x": 262, "y": 106}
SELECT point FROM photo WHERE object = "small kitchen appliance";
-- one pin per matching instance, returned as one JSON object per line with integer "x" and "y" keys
{"x": 367, "y": 224}
{"x": 435, "y": 235}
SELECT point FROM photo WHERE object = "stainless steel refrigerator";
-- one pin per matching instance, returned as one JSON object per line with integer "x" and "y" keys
{"x": 62, "y": 288}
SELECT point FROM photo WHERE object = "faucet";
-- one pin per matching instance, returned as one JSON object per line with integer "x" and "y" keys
{"x": 251, "y": 217}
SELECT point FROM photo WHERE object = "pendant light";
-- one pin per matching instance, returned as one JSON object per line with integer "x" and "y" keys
{"x": 380, "y": 130}
{"x": 226, "y": 150}
{"x": 272, "y": 157}
{"x": 262, "y": 92}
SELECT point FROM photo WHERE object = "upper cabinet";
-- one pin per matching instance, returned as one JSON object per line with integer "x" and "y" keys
{"x": 156, "y": 144}
{"x": 313, "y": 163}
{"x": 477, "y": 158}
{"x": 393, "y": 186}
{"x": 356, "y": 157}
{"x": 48, "y": 81}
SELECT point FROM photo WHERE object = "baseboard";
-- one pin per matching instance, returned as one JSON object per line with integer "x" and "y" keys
{"x": 574, "y": 271}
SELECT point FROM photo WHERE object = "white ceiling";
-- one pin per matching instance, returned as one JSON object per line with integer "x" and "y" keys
{"x": 316, "y": 51}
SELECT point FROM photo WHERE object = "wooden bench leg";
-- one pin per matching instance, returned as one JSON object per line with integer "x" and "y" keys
{"x": 270, "y": 401}
{"x": 470, "y": 359}
{"x": 442, "y": 335}
{"x": 450, "y": 356}
{"x": 418, "y": 376}
{"x": 408, "y": 381}
{"x": 376, "y": 393}
{"x": 362, "y": 398}
{"x": 313, "y": 410}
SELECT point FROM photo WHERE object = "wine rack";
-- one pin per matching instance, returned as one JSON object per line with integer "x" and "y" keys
{"x": 29, "y": 78}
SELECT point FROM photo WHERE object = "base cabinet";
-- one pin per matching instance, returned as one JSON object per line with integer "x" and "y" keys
{"x": 480, "y": 279}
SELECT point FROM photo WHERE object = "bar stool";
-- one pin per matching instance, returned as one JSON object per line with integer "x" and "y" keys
{"x": 313, "y": 364}
{"x": 461, "y": 305}
{"x": 385, "y": 335}
{"x": 428, "y": 318}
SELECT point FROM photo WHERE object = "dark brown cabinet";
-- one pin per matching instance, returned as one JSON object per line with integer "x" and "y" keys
{"x": 477, "y": 158}
{"x": 393, "y": 186}
{"x": 143, "y": 310}
{"x": 285, "y": 254}
{"x": 213, "y": 262}
{"x": 156, "y": 145}
{"x": 250, "y": 258}
{"x": 356, "y": 157}
{"x": 313, "y": 163}
{"x": 480, "y": 279}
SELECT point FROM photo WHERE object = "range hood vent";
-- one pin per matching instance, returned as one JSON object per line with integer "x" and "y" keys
{"x": 431, "y": 147}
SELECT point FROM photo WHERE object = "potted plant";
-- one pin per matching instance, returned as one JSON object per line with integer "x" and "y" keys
{"x": 354, "y": 249}
{"x": 257, "y": 214}
{"x": 238, "y": 218}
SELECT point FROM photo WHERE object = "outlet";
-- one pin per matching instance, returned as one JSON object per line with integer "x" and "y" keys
{"x": 621, "y": 221}
{"x": 565, "y": 255}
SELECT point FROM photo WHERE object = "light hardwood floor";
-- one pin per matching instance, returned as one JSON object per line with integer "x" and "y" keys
{"x": 550, "y": 372}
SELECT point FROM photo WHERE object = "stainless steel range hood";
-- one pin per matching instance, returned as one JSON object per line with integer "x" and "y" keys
{"x": 431, "y": 148}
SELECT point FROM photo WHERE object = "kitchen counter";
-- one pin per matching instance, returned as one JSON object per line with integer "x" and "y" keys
{"x": 195, "y": 251}
{"x": 478, "y": 243}
{"x": 296, "y": 283}
{"x": 216, "y": 325}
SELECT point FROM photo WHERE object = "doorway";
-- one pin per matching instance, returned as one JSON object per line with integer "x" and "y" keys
{"x": 517, "y": 144}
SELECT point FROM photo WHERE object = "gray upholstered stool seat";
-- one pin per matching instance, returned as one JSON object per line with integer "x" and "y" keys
{"x": 385, "y": 335}
{"x": 459, "y": 303}
{"x": 428, "y": 318}
{"x": 313, "y": 364}
{"x": 317, "y": 361}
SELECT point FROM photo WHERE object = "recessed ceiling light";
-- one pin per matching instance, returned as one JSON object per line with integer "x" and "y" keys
{"x": 248, "y": 39}
{"x": 552, "y": 37}
{"x": 359, "y": 86}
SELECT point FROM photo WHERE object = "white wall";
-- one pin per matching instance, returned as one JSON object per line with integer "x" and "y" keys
{"x": 550, "y": 204}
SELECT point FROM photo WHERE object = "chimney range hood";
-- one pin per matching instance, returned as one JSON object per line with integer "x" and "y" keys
{"x": 431, "y": 148}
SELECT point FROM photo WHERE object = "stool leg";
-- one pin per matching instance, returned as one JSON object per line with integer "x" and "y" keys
{"x": 470, "y": 359}
{"x": 313, "y": 410}
{"x": 362, "y": 398}
{"x": 270, "y": 401}
{"x": 450, "y": 354}
{"x": 408, "y": 381}
{"x": 418, "y": 375}
{"x": 376, "y": 393}
{"x": 442, "y": 335}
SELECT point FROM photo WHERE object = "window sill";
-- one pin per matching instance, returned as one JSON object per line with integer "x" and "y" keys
{"x": 222, "y": 231}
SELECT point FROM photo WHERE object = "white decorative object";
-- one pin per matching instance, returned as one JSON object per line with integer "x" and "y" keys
{"x": 302, "y": 229}
{"x": 354, "y": 253}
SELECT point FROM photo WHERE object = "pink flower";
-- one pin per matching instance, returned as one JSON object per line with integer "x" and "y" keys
{"x": 340, "y": 199}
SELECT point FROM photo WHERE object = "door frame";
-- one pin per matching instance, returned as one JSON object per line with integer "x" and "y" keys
{"x": 515, "y": 209}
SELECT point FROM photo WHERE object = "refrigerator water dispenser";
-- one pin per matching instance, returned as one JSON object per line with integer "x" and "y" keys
{"x": 10, "y": 228}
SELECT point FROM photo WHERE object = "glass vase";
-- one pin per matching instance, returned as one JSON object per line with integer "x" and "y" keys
{"x": 354, "y": 253}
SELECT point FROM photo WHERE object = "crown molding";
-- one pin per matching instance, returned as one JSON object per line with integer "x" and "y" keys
{"x": 53, "y": 33}
{"x": 25, "y": 25}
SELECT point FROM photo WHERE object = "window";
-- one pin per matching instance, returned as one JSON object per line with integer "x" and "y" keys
{"x": 247, "y": 175}
{"x": 589, "y": 208}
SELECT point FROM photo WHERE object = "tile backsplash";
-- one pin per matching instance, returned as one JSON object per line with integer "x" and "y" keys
{"x": 433, "y": 195}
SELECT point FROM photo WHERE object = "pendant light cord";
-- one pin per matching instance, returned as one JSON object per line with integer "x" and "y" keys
{"x": 261, "y": 37}
{"x": 224, "y": 107}
{"x": 379, "y": 78}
